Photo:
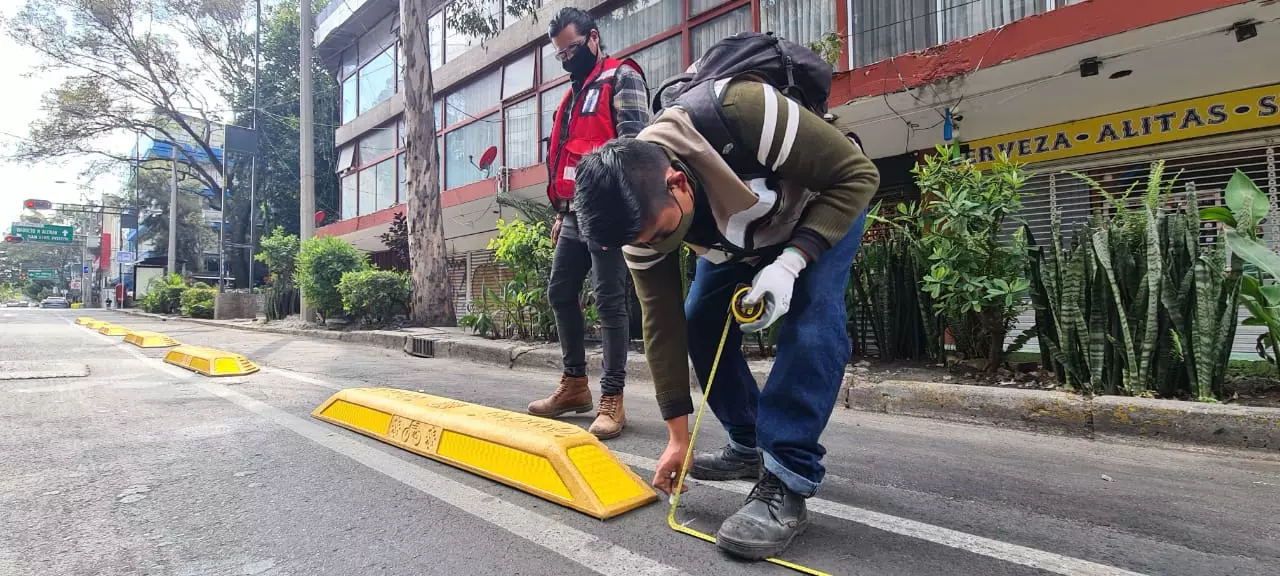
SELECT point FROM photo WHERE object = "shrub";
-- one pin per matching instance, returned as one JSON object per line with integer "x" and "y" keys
{"x": 321, "y": 263}
{"x": 374, "y": 295}
{"x": 280, "y": 254}
{"x": 198, "y": 302}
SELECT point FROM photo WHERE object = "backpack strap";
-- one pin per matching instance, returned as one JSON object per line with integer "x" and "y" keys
{"x": 702, "y": 103}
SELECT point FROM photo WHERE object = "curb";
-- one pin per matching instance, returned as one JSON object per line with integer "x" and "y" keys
{"x": 1044, "y": 411}
{"x": 1228, "y": 426}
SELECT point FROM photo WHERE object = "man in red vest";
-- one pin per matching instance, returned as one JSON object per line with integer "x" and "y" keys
{"x": 607, "y": 99}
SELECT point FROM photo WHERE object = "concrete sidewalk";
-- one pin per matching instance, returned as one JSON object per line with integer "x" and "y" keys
{"x": 1053, "y": 412}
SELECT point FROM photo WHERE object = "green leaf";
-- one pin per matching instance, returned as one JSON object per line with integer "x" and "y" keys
{"x": 1218, "y": 214}
{"x": 1253, "y": 252}
{"x": 1246, "y": 201}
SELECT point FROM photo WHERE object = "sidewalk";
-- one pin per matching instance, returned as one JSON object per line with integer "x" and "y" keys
{"x": 1220, "y": 425}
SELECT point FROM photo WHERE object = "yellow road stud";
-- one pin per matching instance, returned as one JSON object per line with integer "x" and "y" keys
{"x": 210, "y": 362}
{"x": 113, "y": 330}
{"x": 82, "y": 320}
{"x": 144, "y": 339}
{"x": 553, "y": 460}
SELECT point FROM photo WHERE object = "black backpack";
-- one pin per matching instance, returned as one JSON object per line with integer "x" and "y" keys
{"x": 798, "y": 72}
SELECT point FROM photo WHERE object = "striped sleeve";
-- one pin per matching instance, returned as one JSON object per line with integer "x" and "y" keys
{"x": 630, "y": 102}
{"x": 802, "y": 148}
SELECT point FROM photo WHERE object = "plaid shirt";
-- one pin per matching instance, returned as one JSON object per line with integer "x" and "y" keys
{"x": 630, "y": 103}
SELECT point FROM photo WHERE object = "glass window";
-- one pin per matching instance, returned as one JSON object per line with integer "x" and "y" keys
{"x": 706, "y": 35}
{"x": 551, "y": 68}
{"x": 435, "y": 43}
{"x": 884, "y": 28}
{"x": 550, "y": 102}
{"x": 346, "y": 158}
{"x": 963, "y": 18}
{"x": 401, "y": 135}
{"x": 439, "y": 110}
{"x": 521, "y": 139}
{"x": 378, "y": 38}
{"x": 699, "y": 6}
{"x": 349, "y": 99}
{"x": 377, "y": 81}
{"x": 456, "y": 43}
{"x": 636, "y": 21}
{"x": 400, "y": 197}
{"x": 349, "y": 197}
{"x": 660, "y": 61}
{"x": 368, "y": 190}
{"x": 517, "y": 76}
{"x": 377, "y": 143}
{"x": 386, "y": 175}
{"x": 474, "y": 98}
{"x": 467, "y": 144}
{"x": 349, "y": 63}
{"x": 800, "y": 21}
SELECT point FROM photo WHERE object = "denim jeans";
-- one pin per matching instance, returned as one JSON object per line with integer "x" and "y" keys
{"x": 784, "y": 420}
{"x": 572, "y": 260}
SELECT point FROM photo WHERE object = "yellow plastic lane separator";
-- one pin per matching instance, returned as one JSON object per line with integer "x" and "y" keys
{"x": 553, "y": 460}
{"x": 742, "y": 313}
{"x": 209, "y": 361}
{"x": 145, "y": 339}
{"x": 82, "y": 320}
{"x": 95, "y": 324}
{"x": 113, "y": 330}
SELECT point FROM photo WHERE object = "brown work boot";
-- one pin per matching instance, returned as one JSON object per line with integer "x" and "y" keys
{"x": 610, "y": 418}
{"x": 571, "y": 396}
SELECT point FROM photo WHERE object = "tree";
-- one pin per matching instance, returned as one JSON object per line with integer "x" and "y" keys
{"x": 432, "y": 294}
{"x": 153, "y": 187}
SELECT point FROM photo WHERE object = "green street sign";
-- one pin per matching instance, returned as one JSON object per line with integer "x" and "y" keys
{"x": 40, "y": 274}
{"x": 49, "y": 233}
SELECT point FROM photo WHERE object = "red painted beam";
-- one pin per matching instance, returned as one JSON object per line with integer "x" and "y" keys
{"x": 1038, "y": 34}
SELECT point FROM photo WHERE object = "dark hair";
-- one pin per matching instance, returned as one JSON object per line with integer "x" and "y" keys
{"x": 582, "y": 22}
{"x": 620, "y": 186}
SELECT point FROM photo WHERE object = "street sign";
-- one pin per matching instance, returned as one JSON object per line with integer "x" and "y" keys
{"x": 124, "y": 257}
{"x": 45, "y": 274}
{"x": 74, "y": 285}
{"x": 84, "y": 270}
{"x": 49, "y": 233}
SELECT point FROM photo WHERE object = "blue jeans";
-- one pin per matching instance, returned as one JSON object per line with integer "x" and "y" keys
{"x": 784, "y": 421}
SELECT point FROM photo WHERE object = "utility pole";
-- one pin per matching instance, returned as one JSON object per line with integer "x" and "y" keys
{"x": 222, "y": 216}
{"x": 306, "y": 163}
{"x": 253, "y": 160}
{"x": 172, "y": 264}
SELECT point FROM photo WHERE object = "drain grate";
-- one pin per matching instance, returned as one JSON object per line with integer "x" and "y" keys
{"x": 422, "y": 347}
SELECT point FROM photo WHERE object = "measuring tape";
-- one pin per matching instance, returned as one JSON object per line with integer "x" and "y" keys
{"x": 743, "y": 313}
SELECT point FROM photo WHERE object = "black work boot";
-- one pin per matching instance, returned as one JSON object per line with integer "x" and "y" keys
{"x": 727, "y": 464}
{"x": 766, "y": 524}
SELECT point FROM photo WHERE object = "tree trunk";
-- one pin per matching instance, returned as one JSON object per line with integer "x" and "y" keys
{"x": 995, "y": 339}
{"x": 432, "y": 303}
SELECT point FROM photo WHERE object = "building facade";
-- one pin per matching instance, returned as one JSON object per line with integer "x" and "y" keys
{"x": 1013, "y": 75}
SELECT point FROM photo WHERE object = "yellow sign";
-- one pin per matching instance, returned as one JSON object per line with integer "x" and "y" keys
{"x": 1182, "y": 120}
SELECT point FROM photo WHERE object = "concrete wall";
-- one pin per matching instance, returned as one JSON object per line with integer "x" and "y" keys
{"x": 235, "y": 305}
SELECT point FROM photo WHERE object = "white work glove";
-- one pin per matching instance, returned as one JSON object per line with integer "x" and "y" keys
{"x": 774, "y": 284}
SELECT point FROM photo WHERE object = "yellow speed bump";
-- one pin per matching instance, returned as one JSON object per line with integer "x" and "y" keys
{"x": 553, "y": 460}
{"x": 144, "y": 339}
{"x": 113, "y": 330}
{"x": 82, "y": 320}
{"x": 210, "y": 362}
{"x": 95, "y": 324}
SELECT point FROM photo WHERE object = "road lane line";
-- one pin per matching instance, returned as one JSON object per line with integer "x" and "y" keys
{"x": 599, "y": 555}
{"x": 991, "y": 548}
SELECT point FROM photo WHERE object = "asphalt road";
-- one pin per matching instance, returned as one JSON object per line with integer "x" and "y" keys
{"x": 113, "y": 463}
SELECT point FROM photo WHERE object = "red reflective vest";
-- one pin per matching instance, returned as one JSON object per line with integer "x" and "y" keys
{"x": 590, "y": 126}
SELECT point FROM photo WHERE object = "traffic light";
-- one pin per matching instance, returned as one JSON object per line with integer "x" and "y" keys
{"x": 13, "y": 239}
{"x": 38, "y": 205}
{"x": 22, "y": 276}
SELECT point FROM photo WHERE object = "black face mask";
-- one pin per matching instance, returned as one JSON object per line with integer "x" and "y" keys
{"x": 581, "y": 63}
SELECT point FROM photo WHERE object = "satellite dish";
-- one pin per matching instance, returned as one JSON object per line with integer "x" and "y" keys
{"x": 319, "y": 217}
{"x": 486, "y": 159}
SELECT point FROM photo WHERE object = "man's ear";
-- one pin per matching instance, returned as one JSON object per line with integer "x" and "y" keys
{"x": 676, "y": 178}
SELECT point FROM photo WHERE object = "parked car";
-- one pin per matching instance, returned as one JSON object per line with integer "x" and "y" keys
{"x": 55, "y": 302}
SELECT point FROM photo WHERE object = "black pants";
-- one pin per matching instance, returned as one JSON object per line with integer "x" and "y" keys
{"x": 572, "y": 261}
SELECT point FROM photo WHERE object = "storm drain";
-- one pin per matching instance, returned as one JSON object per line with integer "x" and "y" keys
{"x": 35, "y": 370}
{"x": 422, "y": 347}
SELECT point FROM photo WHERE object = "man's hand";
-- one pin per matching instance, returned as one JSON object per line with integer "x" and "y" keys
{"x": 555, "y": 230}
{"x": 773, "y": 284}
{"x": 667, "y": 474}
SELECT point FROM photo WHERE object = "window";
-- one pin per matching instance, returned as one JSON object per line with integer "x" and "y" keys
{"x": 349, "y": 63}
{"x": 377, "y": 80}
{"x": 660, "y": 61}
{"x": 401, "y": 134}
{"x": 465, "y": 145}
{"x": 438, "y": 107}
{"x": 377, "y": 143}
{"x": 456, "y": 43}
{"x": 346, "y": 158}
{"x": 883, "y": 28}
{"x": 400, "y": 181}
{"x": 637, "y": 21}
{"x": 521, "y": 139}
{"x": 800, "y": 21}
{"x": 349, "y": 99}
{"x": 699, "y": 6}
{"x": 550, "y": 102}
{"x": 435, "y": 42}
{"x": 386, "y": 176}
{"x": 473, "y": 99}
{"x": 378, "y": 38}
{"x": 349, "y": 197}
{"x": 517, "y": 76}
{"x": 551, "y": 68}
{"x": 368, "y": 190}
{"x": 706, "y": 35}
{"x": 963, "y": 18}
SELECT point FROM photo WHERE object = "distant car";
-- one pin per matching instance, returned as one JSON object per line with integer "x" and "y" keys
{"x": 55, "y": 302}
{"x": 16, "y": 304}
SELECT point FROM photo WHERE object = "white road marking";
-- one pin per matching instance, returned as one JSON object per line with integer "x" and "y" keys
{"x": 991, "y": 548}
{"x": 599, "y": 555}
